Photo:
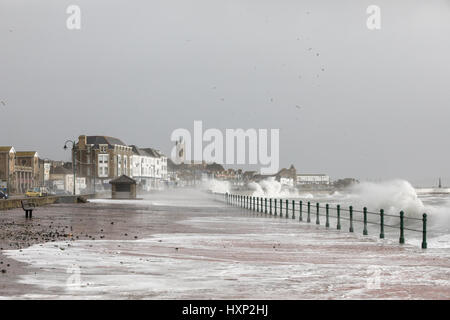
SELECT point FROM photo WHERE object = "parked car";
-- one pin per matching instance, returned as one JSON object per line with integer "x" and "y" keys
{"x": 37, "y": 192}
{"x": 33, "y": 193}
{"x": 3, "y": 195}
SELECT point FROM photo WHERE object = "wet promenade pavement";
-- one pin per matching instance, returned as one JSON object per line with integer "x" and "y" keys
{"x": 190, "y": 246}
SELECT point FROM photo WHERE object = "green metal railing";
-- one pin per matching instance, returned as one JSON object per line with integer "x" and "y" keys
{"x": 270, "y": 206}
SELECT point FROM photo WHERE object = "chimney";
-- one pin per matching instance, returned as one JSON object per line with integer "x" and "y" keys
{"x": 82, "y": 141}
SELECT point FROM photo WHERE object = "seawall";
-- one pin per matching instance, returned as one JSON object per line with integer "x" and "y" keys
{"x": 42, "y": 201}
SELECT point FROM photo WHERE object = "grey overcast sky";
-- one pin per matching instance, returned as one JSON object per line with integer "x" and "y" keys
{"x": 371, "y": 104}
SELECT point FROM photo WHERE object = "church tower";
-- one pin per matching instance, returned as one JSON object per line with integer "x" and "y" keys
{"x": 181, "y": 152}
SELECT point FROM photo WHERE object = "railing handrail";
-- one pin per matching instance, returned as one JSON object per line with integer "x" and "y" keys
{"x": 260, "y": 205}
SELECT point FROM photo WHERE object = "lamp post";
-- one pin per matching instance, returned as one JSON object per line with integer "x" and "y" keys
{"x": 74, "y": 160}
{"x": 94, "y": 172}
{"x": 9, "y": 168}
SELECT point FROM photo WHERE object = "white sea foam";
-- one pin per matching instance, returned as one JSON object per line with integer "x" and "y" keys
{"x": 392, "y": 196}
{"x": 273, "y": 189}
{"x": 217, "y": 186}
{"x": 222, "y": 266}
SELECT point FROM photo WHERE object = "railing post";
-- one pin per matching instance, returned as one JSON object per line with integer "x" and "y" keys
{"x": 350, "y": 229}
{"x": 270, "y": 204}
{"x": 287, "y": 208}
{"x": 381, "y": 224}
{"x": 402, "y": 236}
{"x": 327, "y": 223}
{"x": 317, "y": 213}
{"x": 275, "y": 206}
{"x": 365, "y": 221}
{"x": 293, "y": 209}
{"x": 338, "y": 213}
{"x": 309, "y": 212}
{"x": 265, "y": 205}
{"x": 257, "y": 204}
{"x": 281, "y": 208}
{"x": 300, "y": 211}
{"x": 424, "y": 232}
{"x": 262, "y": 205}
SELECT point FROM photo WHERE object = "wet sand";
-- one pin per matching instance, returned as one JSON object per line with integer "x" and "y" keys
{"x": 188, "y": 246}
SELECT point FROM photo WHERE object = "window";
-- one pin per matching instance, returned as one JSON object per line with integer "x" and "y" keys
{"x": 103, "y": 165}
{"x": 119, "y": 165}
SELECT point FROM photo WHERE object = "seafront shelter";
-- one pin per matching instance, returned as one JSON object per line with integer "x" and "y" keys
{"x": 123, "y": 187}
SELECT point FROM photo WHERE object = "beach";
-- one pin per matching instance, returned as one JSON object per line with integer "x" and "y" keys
{"x": 190, "y": 245}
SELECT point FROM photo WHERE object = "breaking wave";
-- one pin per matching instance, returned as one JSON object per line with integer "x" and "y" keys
{"x": 273, "y": 189}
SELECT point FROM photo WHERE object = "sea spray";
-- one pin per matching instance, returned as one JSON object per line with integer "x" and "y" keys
{"x": 393, "y": 196}
{"x": 217, "y": 186}
{"x": 272, "y": 188}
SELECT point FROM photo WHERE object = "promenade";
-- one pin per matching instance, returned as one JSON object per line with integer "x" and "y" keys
{"x": 188, "y": 245}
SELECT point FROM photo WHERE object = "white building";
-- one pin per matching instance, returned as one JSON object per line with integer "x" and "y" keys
{"x": 142, "y": 168}
{"x": 149, "y": 168}
{"x": 312, "y": 179}
{"x": 80, "y": 187}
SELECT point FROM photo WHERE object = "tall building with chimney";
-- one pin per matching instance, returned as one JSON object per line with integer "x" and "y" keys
{"x": 101, "y": 159}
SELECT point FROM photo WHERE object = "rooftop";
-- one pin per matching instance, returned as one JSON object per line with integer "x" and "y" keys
{"x": 139, "y": 151}
{"x": 123, "y": 179}
{"x": 26, "y": 154}
{"x": 110, "y": 141}
{"x": 5, "y": 148}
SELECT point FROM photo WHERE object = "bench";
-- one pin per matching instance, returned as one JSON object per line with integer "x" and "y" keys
{"x": 28, "y": 207}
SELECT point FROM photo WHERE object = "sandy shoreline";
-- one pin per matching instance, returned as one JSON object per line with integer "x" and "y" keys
{"x": 167, "y": 248}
